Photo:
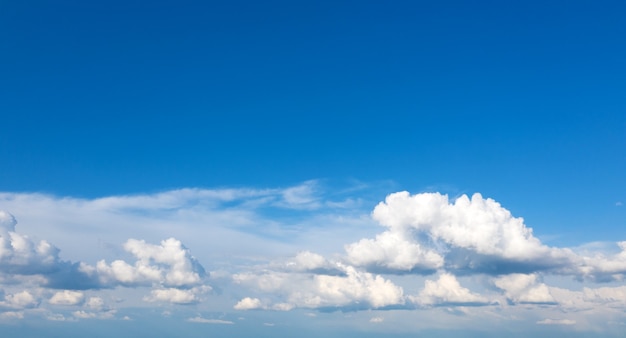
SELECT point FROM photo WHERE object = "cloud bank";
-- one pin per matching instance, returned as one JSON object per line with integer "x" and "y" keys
{"x": 421, "y": 252}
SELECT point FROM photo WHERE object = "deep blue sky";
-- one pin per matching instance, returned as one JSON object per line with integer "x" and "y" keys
{"x": 517, "y": 100}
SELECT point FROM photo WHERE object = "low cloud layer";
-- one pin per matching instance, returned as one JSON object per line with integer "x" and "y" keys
{"x": 421, "y": 252}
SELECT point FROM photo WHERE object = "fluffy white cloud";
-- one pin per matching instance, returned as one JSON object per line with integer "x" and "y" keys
{"x": 67, "y": 297}
{"x": 95, "y": 303}
{"x": 606, "y": 295}
{"x": 19, "y": 254}
{"x": 447, "y": 291}
{"x": 427, "y": 231}
{"x": 601, "y": 267}
{"x": 172, "y": 295}
{"x": 394, "y": 250}
{"x": 19, "y": 300}
{"x": 523, "y": 288}
{"x": 306, "y": 261}
{"x": 248, "y": 304}
{"x": 169, "y": 264}
{"x": 81, "y": 314}
{"x": 352, "y": 289}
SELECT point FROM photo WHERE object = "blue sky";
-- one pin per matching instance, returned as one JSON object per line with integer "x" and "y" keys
{"x": 261, "y": 138}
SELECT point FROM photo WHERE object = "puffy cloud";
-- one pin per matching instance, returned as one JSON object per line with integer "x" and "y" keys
{"x": 95, "y": 308}
{"x": 356, "y": 286}
{"x": 523, "y": 288}
{"x": 20, "y": 255}
{"x": 307, "y": 260}
{"x": 603, "y": 268}
{"x": 19, "y": 300}
{"x": 394, "y": 250}
{"x": 67, "y": 297}
{"x": 356, "y": 289}
{"x": 95, "y": 303}
{"x": 81, "y": 314}
{"x": 169, "y": 264}
{"x": 606, "y": 295}
{"x": 178, "y": 296}
{"x": 172, "y": 295}
{"x": 447, "y": 291}
{"x": 426, "y": 232}
{"x": 248, "y": 304}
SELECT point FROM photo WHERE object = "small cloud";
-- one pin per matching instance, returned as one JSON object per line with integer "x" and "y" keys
{"x": 248, "y": 304}
{"x": 199, "y": 319}
{"x": 67, "y": 297}
{"x": 549, "y": 321}
{"x": 172, "y": 295}
{"x": 377, "y": 320}
{"x": 57, "y": 317}
{"x": 269, "y": 324}
{"x": 126, "y": 318}
{"x": 619, "y": 204}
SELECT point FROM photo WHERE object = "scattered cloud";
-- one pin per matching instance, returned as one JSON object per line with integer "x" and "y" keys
{"x": 248, "y": 304}
{"x": 447, "y": 291}
{"x": 169, "y": 264}
{"x": 67, "y": 297}
{"x": 199, "y": 319}
{"x": 19, "y": 300}
{"x": 549, "y": 321}
{"x": 377, "y": 320}
{"x": 523, "y": 288}
{"x": 353, "y": 289}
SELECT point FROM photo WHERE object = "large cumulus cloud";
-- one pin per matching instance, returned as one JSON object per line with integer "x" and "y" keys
{"x": 427, "y": 231}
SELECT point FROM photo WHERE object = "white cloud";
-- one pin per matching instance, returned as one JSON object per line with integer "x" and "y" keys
{"x": 57, "y": 317}
{"x": 304, "y": 290}
{"x": 523, "y": 288}
{"x": 475, "y": 234}
{"x": 377, "y": 320}
{"x": 176, "y": 296}
{"x": 393, "y": 250}
{"x": 67, "y": 297}
{"x": 307, "y": 260}
{"x": 445, "y": 291}
{"x": 19, "y": 254}
{"x": 19, "y": 300}
{"x": 601, "y": 267}
{"x": 248, "y": 304}
{"x": 170, "y": 264}
{"x": 237, "y": 234}
{"x": 549, "y": 321}
{"x": 606, "y": 295}
{"x": 199, "y": 319}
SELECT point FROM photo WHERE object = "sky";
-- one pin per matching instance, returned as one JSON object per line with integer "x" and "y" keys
{"x": 336, "y": 168}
